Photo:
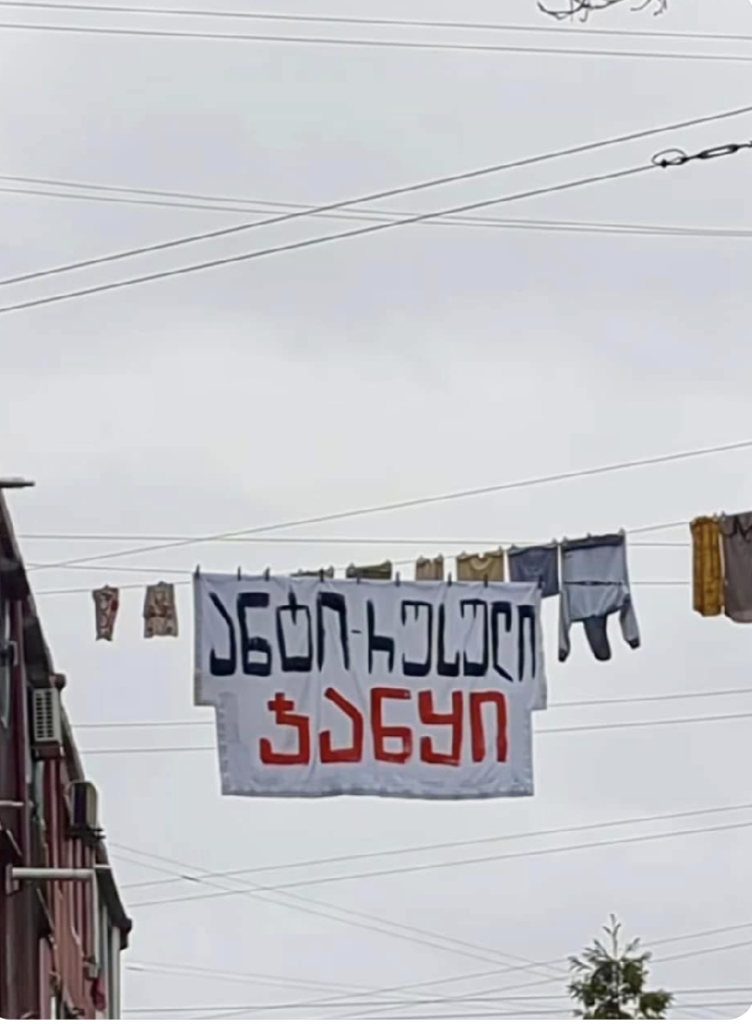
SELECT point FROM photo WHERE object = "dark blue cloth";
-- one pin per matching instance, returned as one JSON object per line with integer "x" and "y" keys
{"x": 536, "y": 565}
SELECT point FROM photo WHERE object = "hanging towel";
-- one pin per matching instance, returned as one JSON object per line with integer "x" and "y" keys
{"x": 369, "y": 572}
{"x": 594, "y": 585}
{"x": 160, "y": 611}
{"x": 328, "y": 574}
{"x": 737, "y": 564}
{"x": 477, "y": 568}
{"x": 430, "y": 569}
{"x": 106, "y": 607}
{"x": 707, "y": 567}
{"x": 536, "y": 565}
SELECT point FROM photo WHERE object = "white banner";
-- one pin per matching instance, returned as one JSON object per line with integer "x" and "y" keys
{"x": 337, "y": 687}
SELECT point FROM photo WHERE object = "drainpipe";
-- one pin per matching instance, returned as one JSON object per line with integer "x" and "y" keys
{"x": 115, "y": 974}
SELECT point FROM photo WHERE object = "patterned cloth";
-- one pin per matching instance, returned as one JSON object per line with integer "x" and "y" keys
{"x": 160, "y": 611}
{"x": 707, "y": 567}
{"x": 106, "y": 607}
{"x": 477, "y": 568}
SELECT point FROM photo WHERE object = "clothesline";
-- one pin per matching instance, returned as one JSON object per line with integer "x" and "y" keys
{"x": 635, "y": 531}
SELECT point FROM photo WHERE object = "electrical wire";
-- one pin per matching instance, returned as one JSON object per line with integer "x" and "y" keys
{"x": 379, "y": 44}
{"x": 431, "y": 847}
{"x": 356, "y": 541}
{"x": 383, "y": 22}
{"x": 460, "y": 978}
{"x": 471, "y": 946}
{"x": 362, "y": 920}
{"x": 274, "y": 980}
{"x": 204, "y": 973}
{"x": 599, "y": 727}
{"x": 668, "y": 159}
{"x": 438, "y": 1001}
{"x": 493, "y": 858}
{"x": 557, "y": 705}
{"x": 562, "y": 960}
{"x": 465, "y": 176}
{"x": 420, "y": 186}
{"x": 498, "y": 223}
{"x": 306, "y": 243}
{"x": 474, "y": 492}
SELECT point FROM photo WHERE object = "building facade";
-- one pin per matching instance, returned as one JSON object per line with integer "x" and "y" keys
{"x": 62, "y": 923}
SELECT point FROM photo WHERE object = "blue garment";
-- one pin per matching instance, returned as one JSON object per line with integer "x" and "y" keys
{"x": 538, "y": 564}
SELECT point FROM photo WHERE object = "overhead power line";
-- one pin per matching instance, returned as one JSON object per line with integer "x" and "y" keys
{"x": 251, "y": 894}
{"x": 275, "y": 980}
{"x": 578, "y": 227}
{"x": 402, "y": 190}
{"x": 599, "y": 727}
{"x": 418, "y": 1002}
{"x": 394, "y": 506}
{"x": 562, "y": 960}
{"x": 382, "y": 22}
{"x": 456, "y": 844}
{"x": 436, "y": 1001}
{"x": 440, "y": 865}
{"x": 596, "y": 702}
{"x": 434, "y": 542}
{"x": 283, "y": 981}
{"x": 378, "y": 44}
{"x": 668, "y": 159}
{"x": 371, "y": 923}
{"x": 305, "y": 243}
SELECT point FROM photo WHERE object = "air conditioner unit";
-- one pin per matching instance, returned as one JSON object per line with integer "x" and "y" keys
{"x": 84, "y": 812}
{"x": 47, "y": 722}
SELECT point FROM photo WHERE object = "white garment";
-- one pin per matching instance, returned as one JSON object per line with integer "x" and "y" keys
{"x": 594, "y": 585}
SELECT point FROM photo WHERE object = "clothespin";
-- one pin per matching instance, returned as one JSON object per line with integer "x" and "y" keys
{"x": 321, "y": 575}
{"x": 449, "y": 579}
{"x": 197, "y": 572}
{"x": 485, "y": 581}
{"x": 267, "y": 573}
{"x": 397, "y": 580}
{"x": 240, "y": 572}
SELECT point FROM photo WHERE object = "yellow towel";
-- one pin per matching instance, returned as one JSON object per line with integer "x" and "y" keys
{"x": 707, "y": 566}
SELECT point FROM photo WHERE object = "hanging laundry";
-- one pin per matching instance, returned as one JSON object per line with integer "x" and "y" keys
{"x": 536, "y": 565}
{"x": 427, "y": 569}
{"x": 328, "y": 574}
{"x": 160, "y": 611}
{"x": 737, "y": 564}
{"x": 481, "y": 567}
{"x": 595, "y": 585}
{"x": 106, "y": 607}
{"x": 369, "y": 572}
{"x": 707, "y": 566}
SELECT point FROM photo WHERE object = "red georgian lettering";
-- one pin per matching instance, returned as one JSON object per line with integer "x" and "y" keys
{"x": 477, "y": 733}
{"x": 430, "y": 716}
{"x": 283, "y": 709}
{"x": 381, "y": 732}
{"x": 340, "y": 755}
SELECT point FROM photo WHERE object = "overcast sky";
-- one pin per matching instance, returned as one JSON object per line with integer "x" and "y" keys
{"x": 418, "y": 361}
